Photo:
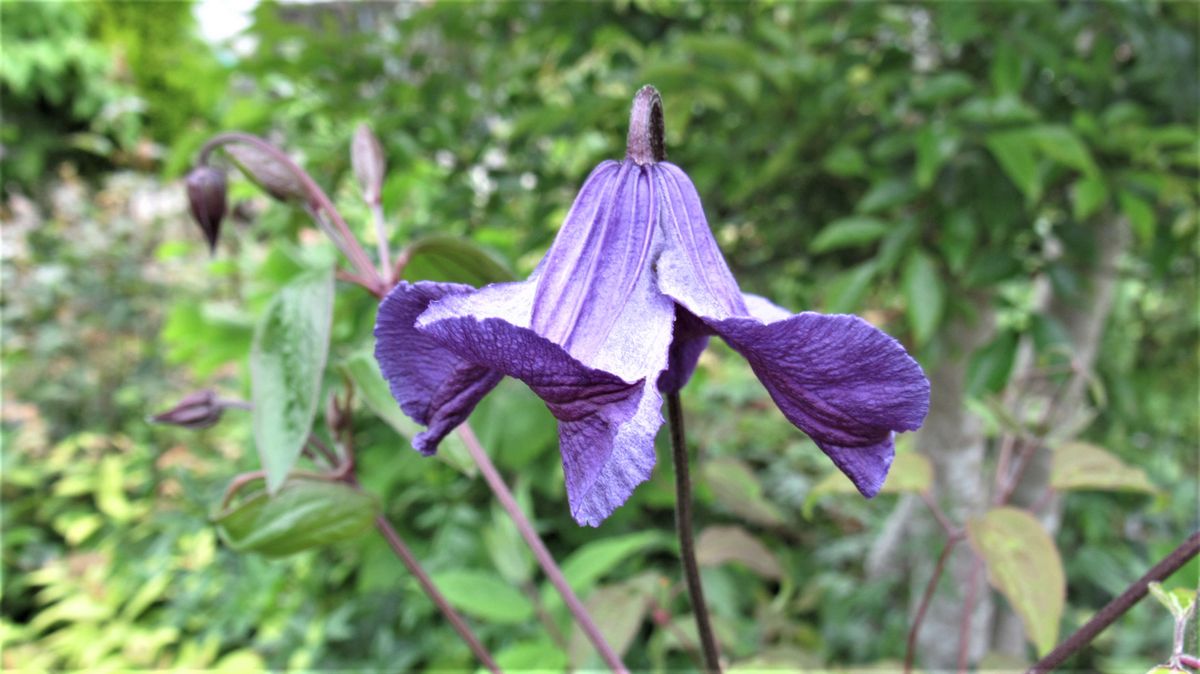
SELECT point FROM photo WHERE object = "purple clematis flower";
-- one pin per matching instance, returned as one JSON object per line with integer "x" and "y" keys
{"x": 617, "y": 314}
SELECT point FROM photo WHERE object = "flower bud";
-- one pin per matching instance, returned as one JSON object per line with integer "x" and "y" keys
{"x": 197, "y": 410}
{"x": 271, "y": 174}
{"x": 206, "y": 198}
{"x": 366, "y": 156}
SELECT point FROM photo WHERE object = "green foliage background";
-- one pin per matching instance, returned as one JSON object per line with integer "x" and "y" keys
{"x": 917, "y": 163}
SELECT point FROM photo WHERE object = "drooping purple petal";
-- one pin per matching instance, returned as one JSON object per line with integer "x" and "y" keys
{"x": 606, "y": 424}
{"x": 433, "y": 386}
{"x": 688, "y": 341}
{"x": 589, "y": 333}
{"x": 845, "y": 383}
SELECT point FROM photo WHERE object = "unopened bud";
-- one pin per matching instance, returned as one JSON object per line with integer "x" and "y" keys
{"x": 366, "y": 156}
{"x": 197, "y": 410}
{"x": 271, "y": 174}
{"x": 206, "y": 198}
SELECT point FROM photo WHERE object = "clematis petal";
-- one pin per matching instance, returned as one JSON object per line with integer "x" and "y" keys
{"x": 691, "y": 269}
{"x": 606, "y": 424}
{"x": 433, "y": 386}
{"x": 845, "y": 383}
{"x": 689, "y": 339}
{"x": 589, "y": 332}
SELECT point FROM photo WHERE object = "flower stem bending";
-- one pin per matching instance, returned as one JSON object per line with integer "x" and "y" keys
{"x": 1117, "y": 607}
{"x": 549, "y": 567}
{"x": 687, "y": 545}
{"x": 460, "y": 625}
{"x": 344, "y": 240}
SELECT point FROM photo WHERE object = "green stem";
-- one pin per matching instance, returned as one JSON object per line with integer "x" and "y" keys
{"x": 687, "y": 544}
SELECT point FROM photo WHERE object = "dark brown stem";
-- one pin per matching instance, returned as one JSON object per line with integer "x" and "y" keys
{"x": 410, "y": 563}
{"x": 540, "y": 553}
{"x": 687, "y": 544}
{"x": 926, "y": 597}
{"x": 1117, "y": 607}
{"x": 645, "y": 145}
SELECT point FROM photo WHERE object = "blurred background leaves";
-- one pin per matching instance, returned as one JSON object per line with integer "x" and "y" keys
{"x": 1008, "y": 188}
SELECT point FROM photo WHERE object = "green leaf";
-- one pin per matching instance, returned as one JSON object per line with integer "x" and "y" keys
{"x": 844, "y": 293}
{"x": 924, "y": 294}
{"x": 886, "y": 194}
{"x": 1007, "y": 68}
{"x": 455, "y": 259}
{"x": 287, "y": 361}
{"x": 990, "y": 367}
{"x": 619, "y": 611}
{"x": 1141, "y": 215}
{"x": 855, "y": 230}
{"x": 737, "y": 488}
{"x": 540, "y": 655}
{"x": 363, "y": 370}
{"x": 1062, "y": 145}
{"x": 1083, "y": 466}
{"x": 1088, "y": 195}
{"x": 845, "y": 161}
{"x": 592, "y": 561}
{"x": 483, "y": 595}
{"x": 935, "y": 144}
{"x": 943, "y": 87}
{"x": 720, "y": 545}
{"x": 1178, "y": 601}
{"x": 1024, "y": 566}
{"x": 304, "y": 513}
{"x": 1016, "y": 153}
{"x": 911, "y": 472}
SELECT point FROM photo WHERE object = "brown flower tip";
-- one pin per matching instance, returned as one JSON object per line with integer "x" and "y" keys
{"x": 645, "y": 144}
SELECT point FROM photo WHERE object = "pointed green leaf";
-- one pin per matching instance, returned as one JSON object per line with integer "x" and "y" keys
{"x": 363, "y": 370}
{"x": 720, "y": 545}
{"x": 990, "y": 367}
{"x": 844, "y": 293}
{"x": 304, "y": 513}
{"x": 1083, "y": 466}
{"x": 287, "y": 362}
{"x": 1025, "y": 567}
{"x": 924, "y": 294}
{"x": 1062, "y": 145}
{"x": 1016, "y": 153}
{"x": 737, "y": 488}
{"x": 1141, "y": 215}
{"x": 454, "y": 259}
{"x": 848, "y": 233}
{"x": 619, "y": 611}
{"x": 483, "y": 595}
{"x": 592, "y": 561}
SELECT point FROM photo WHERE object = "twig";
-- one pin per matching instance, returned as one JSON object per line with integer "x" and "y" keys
{"x": 1117, "y": 607}
{"x": 385, "y": 264}
{"x": 410, "y": 563}
{"x": 687, "y": 545}
{"x": 948, "y": 527}
{"x": 926, "y": 597}
{"x": 964, "y": 633}
{"x": 540, "y": 553}
{"x": 348, "y": 243}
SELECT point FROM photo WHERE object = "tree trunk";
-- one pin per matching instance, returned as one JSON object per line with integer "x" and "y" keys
{"x": 953, "y": 439}
{"x": 1083, "y": 316}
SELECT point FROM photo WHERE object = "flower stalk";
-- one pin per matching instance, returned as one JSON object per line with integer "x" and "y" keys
{"x": 540, "y": 553}
{"x": 318, "y": 202}
{"x": 687, "y": 545}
